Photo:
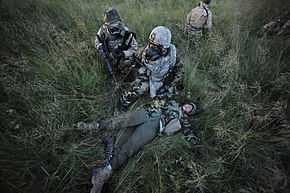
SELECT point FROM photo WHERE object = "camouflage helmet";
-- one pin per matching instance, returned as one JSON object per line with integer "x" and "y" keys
{"x": 206, "y": 1}
{"x": 160, "y": 36}
{"x": 111, "y": 15}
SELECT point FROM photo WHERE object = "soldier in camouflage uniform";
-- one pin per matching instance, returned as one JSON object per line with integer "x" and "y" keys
{"x": 159, "y": 118}
{"x": 280, "y": 26}
{"x": 118, "y": 40}
{"x": 161, "y": 70}
{"x": 199, "y": 19}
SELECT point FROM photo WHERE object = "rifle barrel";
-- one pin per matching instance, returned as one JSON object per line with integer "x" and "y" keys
{"x": 109, "y": 65}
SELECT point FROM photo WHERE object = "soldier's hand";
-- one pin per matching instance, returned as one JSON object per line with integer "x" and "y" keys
{"x": 142, "y": 70}
{"x": 122, "y": 67}
{"x": 118, "y": 54}
{"x": 100, "y": 47}
{"x": 166, "y": 87}
{"x": 192, "y": 138}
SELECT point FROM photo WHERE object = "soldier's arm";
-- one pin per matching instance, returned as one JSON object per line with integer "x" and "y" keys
{"x": 191, "y": 17}
{"x": 98, "y": 37}
{"x": 138, "y": 57}
{"x": 186, "y": 126}
{"x": 133, "y": 47}
{"x": 209, "y": 20}
{"x": 178, "y": 70}
{"x": 188, "y": 132}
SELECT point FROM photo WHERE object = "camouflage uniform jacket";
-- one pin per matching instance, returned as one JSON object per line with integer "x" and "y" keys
{"x": 199, "y": 18}
{"x": 280, "y": 26}
{"x": 126, "y": 43}
{"x": 166, "y": 71}
{"x": 167, "y": 111}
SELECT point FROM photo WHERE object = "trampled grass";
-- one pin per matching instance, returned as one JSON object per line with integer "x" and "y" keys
{"x": 51, "y": 78}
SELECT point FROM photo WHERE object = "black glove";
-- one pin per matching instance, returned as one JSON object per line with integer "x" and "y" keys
{"x": 101, "y": 48}
{"x": 118, "y": 54}
{"x": 191, "y": 138}
{"x": 122, "y": 67}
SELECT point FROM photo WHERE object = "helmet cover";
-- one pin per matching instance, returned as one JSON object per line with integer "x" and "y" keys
{"x": 160, "y": 36}
{"x": 111, "y": 15}
{"x": 206, "y": 1}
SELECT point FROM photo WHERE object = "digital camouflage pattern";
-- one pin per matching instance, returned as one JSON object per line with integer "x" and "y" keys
{"x": 158, "y": 69}
{"x": 160, "y": 36}
{"x": 163, "y": 77}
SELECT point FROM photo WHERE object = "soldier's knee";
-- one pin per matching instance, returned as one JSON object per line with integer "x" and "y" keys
{"x": 131, "y": 152}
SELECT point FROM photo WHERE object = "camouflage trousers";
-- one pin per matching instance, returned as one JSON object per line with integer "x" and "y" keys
{"x": 140, "y": 86}
{"x": 192, "y": 32}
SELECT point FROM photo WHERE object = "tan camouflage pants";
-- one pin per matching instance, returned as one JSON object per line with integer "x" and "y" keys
{"x": 193, "y": 33}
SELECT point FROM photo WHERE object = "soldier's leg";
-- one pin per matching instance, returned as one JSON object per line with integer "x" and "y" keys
{"x": 142, "y": 135}
{"x": 123, "y": 120}
{"x": 193, "y": 33}
{"x": 139, "y": 87}
{"x": 135, "y": 118}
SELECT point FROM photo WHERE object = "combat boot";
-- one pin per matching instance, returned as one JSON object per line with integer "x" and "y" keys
{"x": 110, "y": 142}
{"x": 99, "y": 180}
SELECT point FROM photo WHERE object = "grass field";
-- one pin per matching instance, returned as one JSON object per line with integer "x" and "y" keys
{"x": 52, "y": 77}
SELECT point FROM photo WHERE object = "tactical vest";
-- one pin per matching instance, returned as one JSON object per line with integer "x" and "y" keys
{"x": 197, "y": 18}
{"x": 117, "y": 42}
{"x": 159, "y": 68}
{"x": 114, "y": 42}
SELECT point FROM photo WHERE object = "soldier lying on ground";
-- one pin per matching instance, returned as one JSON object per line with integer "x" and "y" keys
{"x": 163, "y": 118}
{"x": 161, "y": 70}
{"x": 280, "y": 26}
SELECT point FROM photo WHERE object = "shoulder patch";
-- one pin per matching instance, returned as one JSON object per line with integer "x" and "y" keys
{"x": 152, "y": 36}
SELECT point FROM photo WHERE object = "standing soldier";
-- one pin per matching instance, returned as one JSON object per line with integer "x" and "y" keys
{"x": 199, "y": 19}
{"x": 161, "y": 70}
{"x": 116, "y": 42}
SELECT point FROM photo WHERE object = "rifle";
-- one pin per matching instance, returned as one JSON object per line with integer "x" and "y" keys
{"x": 104, "y": 53}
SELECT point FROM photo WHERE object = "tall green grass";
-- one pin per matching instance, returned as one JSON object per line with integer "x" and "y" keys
{"x": 51, "y": 78}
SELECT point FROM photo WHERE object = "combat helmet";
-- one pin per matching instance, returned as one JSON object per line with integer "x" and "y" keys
{"x": 111, "y": 15}
{"x": 159, "y": 42}
{"x": 113, "y": 22}
{"x": 206, "y": 1}
{"x": 160, "y": 36}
